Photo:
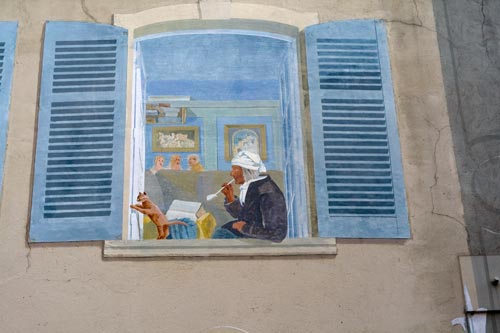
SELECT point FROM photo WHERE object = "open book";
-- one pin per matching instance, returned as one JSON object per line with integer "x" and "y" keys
{"x": 185, "y": 209}
{"x": 200, "y": 224}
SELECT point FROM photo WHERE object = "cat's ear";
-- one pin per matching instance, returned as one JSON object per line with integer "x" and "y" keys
{"x": 145, "y": 193}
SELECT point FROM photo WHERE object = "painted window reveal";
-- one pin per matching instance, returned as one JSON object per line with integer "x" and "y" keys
{"x": 228, "y": 83}
{"x": 359, "y": 181}
{"x": 77, "y": 193}
{"x": 8, "y": 33}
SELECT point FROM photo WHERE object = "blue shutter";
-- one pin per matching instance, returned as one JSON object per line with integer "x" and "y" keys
{"x": 357, "y": 161}
{"x": 78, "y": 185}
{"x": 8, "y": 32}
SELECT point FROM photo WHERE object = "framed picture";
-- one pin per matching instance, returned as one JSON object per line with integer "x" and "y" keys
{"x": 244, "y": 137}
{"x": 176, "y": 139}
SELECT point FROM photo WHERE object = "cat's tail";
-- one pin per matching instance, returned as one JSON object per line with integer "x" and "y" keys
{"x": 176, "y": 222}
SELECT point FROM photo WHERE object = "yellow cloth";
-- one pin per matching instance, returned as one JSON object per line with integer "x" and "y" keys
{"x": 149, "y": 231}
{"x": 206, "y": 226}
{"x": 197, "y": 168}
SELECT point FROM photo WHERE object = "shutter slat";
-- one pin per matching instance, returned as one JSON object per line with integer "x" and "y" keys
{"x": 77, "y": 193}
{"x": 82, "y": 54}
{"x": 8, "y": 35}
{"x": 358, "y": 175}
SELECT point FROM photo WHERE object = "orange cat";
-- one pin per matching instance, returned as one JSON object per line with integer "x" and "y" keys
{"x": 146, "y": 206}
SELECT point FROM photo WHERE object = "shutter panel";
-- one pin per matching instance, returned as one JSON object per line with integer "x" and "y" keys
{"x": 78, "y": 185}
{"x": 8, "y": 33}
{"x": 358, "y": 175}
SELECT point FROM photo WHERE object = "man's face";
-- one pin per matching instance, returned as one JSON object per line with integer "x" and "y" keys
{"x": 237, "y": 174}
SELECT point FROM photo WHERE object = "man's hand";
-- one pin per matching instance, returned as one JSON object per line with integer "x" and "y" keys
{"x": 227, "y": 190}
{"x": 239, "y": 225}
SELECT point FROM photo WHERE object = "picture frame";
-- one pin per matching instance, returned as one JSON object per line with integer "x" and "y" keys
{"x": 250, "y": 137}
{"x": 166, "y": 139}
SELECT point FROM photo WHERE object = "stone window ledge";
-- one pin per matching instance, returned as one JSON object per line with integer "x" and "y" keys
{"x": 219, "y": 248}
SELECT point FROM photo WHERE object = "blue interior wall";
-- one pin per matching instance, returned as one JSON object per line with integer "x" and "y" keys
{"x": 217, "y": 90}
{"x": 225, "y": 67}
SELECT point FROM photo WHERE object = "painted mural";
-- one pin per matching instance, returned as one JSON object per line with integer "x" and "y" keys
{"x": 214, "y": 139}
{"x": 217, "y": 112}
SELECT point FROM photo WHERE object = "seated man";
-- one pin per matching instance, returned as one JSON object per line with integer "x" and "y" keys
{"x": 260, "y": 210}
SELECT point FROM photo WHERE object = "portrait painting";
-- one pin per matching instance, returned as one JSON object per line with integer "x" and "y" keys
{"x": 176, "y": 139}
{"x": 250, "y": 138}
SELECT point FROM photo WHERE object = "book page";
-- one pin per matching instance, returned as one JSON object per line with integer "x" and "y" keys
{"x": 179, "y": 209}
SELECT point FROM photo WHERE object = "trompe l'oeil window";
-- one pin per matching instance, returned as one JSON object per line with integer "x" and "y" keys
{"x": 201, "y": 96}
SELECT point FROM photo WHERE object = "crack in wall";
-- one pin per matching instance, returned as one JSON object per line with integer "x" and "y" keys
{"x": 199, "y": 8}
{"x": 483, "y": 22}
{"x": 436, "y": 180}
{"x": 86, "y": 10}
{"x": 417, "y": 13}
{"x": 470, "y": 47}
{"x": 419, "y": 24}
{"x": 28, "y": 257}
{"x": 485, "y": 39}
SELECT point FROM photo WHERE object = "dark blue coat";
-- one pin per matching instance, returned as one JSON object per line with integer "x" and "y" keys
{"x": 264, "y": 211}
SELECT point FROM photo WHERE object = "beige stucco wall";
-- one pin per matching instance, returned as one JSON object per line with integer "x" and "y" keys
{"x": 370, "y": 286}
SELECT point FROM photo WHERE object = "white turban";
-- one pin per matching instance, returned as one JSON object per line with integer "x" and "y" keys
{"x": 248, "y": 160}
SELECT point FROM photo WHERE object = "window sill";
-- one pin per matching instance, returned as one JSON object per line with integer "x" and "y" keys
{"x": 219, "y": 248}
